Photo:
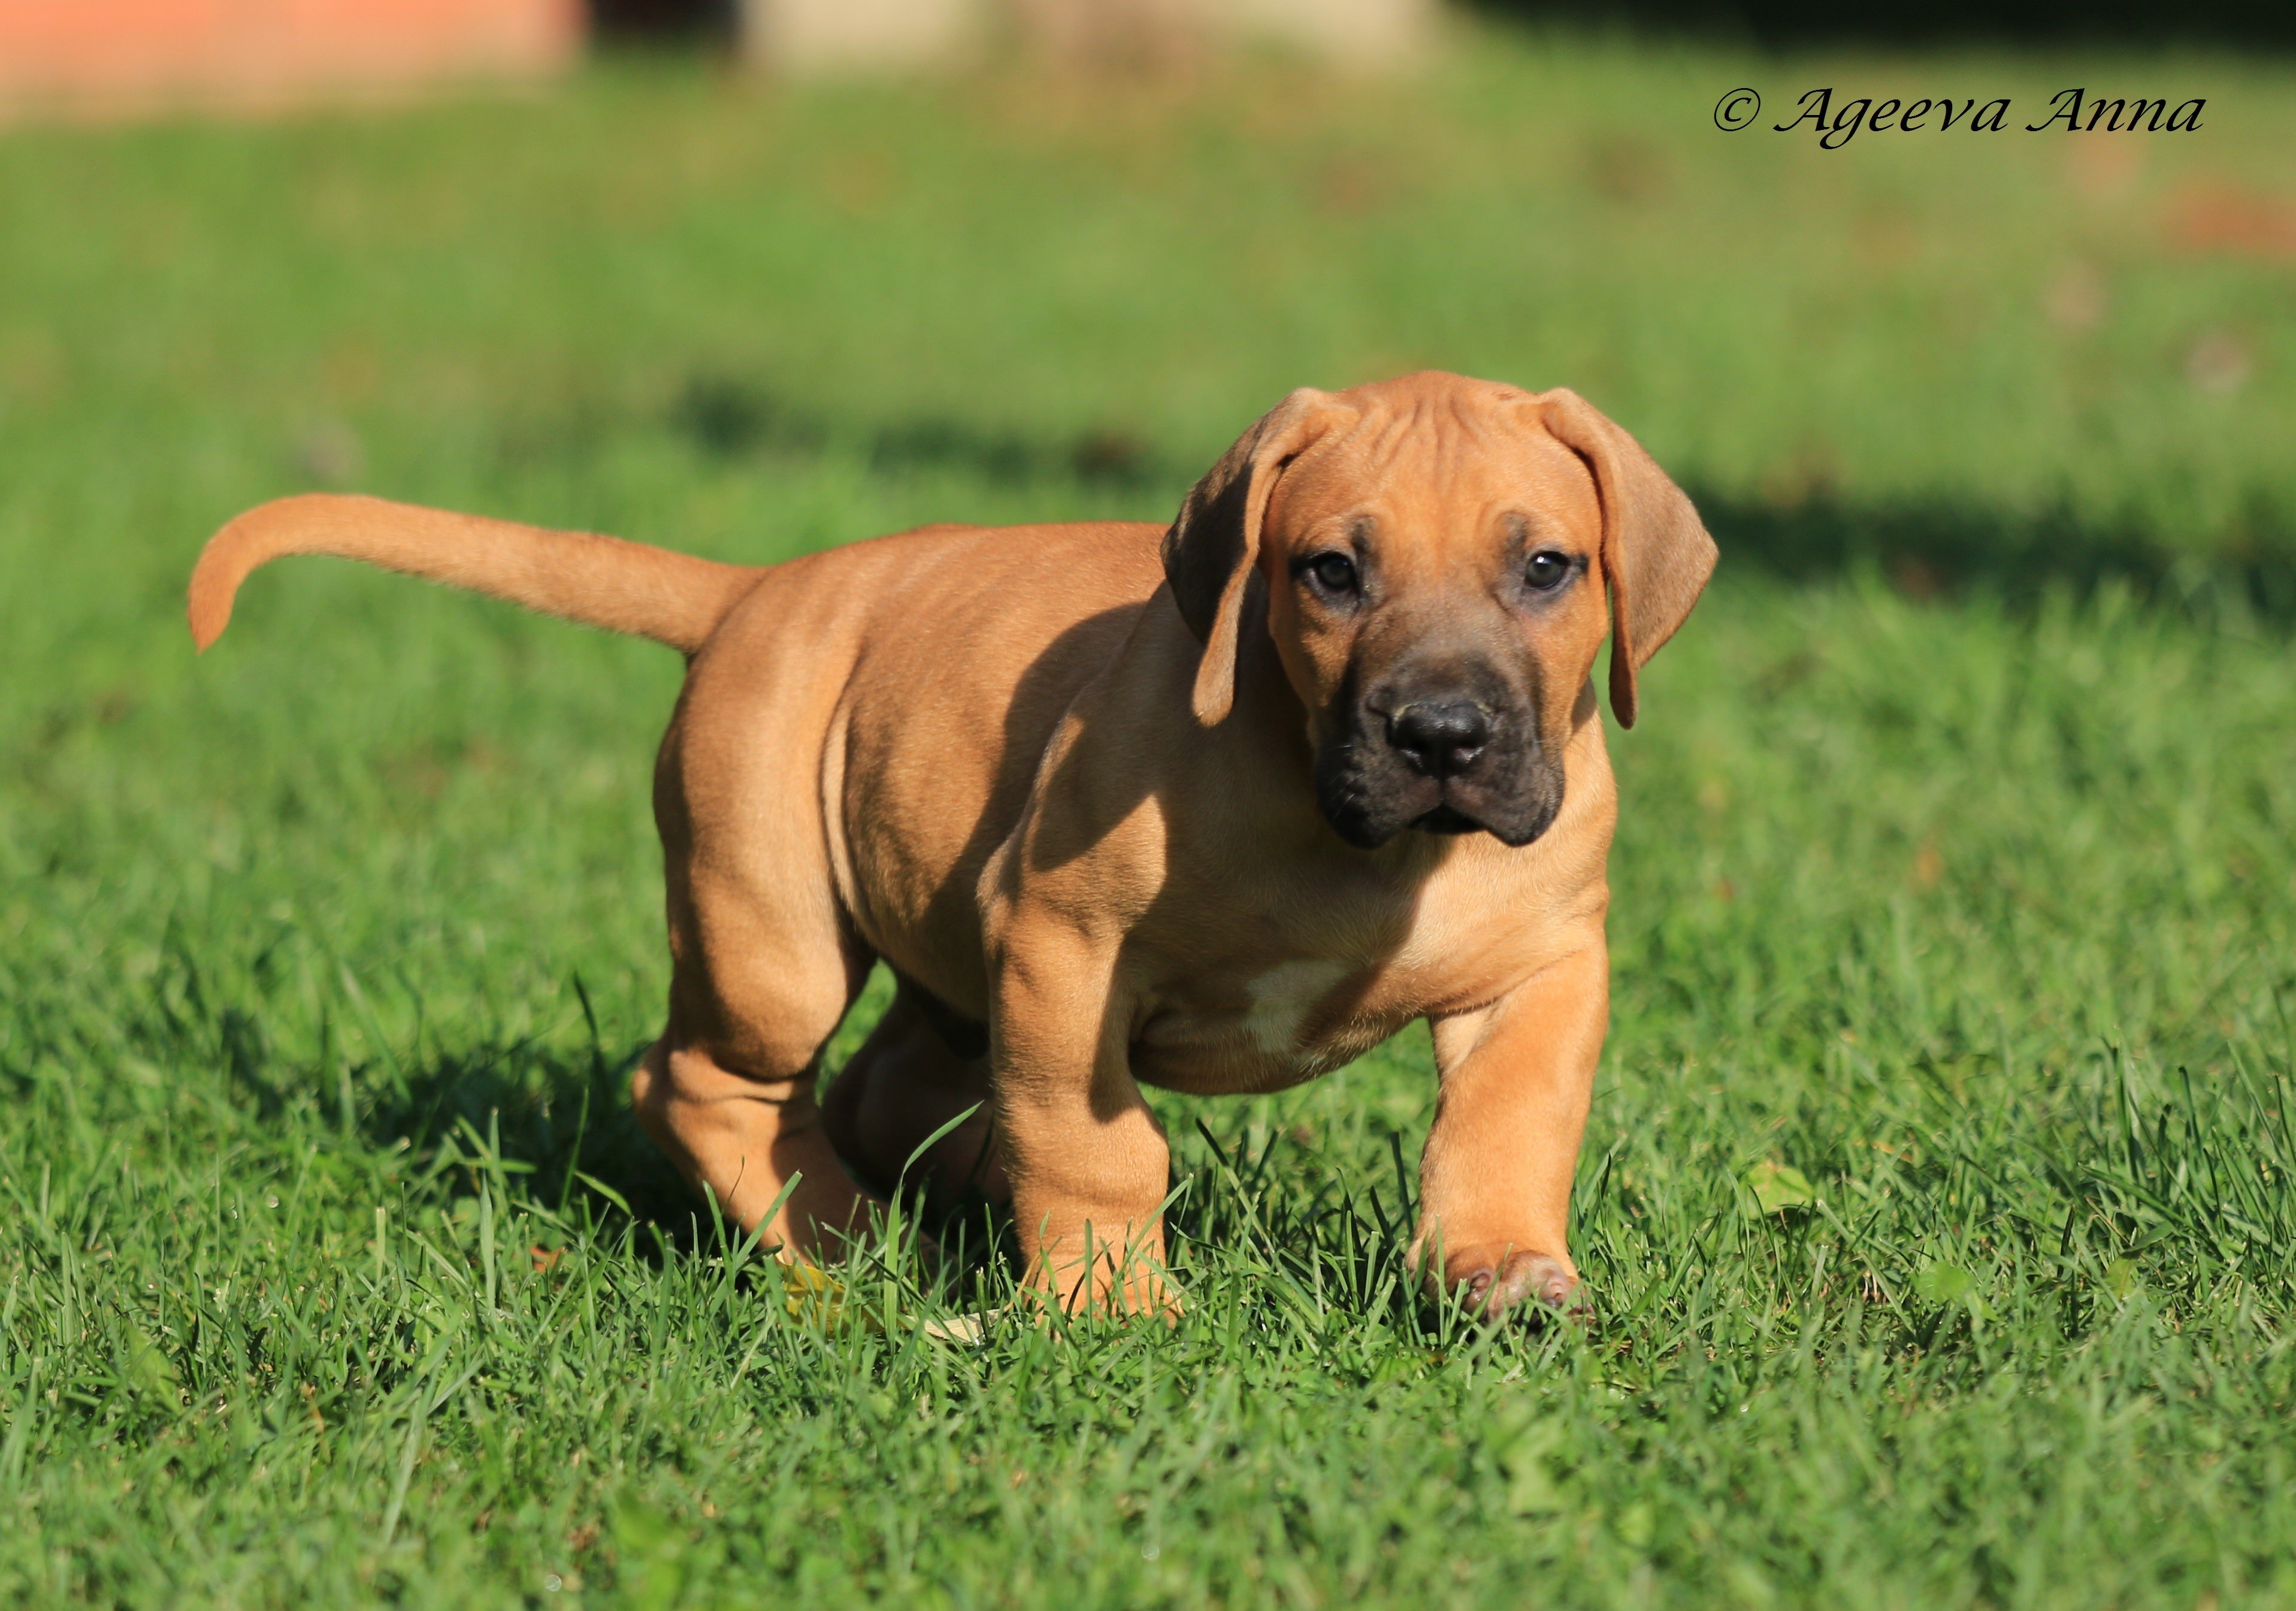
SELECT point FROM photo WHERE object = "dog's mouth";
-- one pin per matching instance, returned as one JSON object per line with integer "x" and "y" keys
{"x": 1446, "y": 819}
{"x": 1367, "y": 822}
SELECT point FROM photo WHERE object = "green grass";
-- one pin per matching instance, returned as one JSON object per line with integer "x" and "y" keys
{"x": 1957, "y": 871}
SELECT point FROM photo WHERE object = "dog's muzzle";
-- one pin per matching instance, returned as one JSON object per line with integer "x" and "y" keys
{"x": 1445, "y": 761}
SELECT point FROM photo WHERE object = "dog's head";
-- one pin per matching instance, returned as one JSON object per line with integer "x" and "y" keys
{"x": 1433, "y": 557}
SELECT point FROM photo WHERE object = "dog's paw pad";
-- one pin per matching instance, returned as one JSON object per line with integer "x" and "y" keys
{"x": 1535, "y": 1279}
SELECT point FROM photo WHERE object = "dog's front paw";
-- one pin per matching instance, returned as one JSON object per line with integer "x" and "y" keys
{"x": 1489, "y": 1282}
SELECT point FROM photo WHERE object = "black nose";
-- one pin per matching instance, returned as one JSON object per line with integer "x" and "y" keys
{"x": 1441, "y": 738}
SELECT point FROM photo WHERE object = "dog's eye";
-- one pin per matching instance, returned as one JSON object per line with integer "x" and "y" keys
{"x": 1333, "y": 572}
{"x": 1547, "y": 570}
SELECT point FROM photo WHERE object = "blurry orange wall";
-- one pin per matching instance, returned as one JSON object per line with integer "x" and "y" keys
{"x": 98, "y": 56}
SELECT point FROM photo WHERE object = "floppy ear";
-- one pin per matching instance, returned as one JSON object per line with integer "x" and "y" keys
{"x": 1211, "y": 553}
{"x": 1656, "y": 555}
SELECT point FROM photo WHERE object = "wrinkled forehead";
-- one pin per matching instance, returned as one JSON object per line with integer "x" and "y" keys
{"x": 1444, "y": 471}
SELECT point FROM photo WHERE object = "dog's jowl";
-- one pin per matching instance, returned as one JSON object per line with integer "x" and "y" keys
{"x": 1214, "y": 808}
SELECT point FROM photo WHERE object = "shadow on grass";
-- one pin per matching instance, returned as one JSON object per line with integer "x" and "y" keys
{"x": 563, "y": 1124}
{"x": 2059, "y": 24}
{"x": 1939, "y": 548}
{"x": 732, "y": 419}
{"x": 564, "y": 1127}
{"x": 1926, "y": 548}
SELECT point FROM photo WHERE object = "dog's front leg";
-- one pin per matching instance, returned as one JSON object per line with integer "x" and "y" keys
{"x": 1494, "y": 1182}
{"x": 1087, "y": 1158}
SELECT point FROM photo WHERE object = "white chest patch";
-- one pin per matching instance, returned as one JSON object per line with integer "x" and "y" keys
{"x": 1283, "y": 998}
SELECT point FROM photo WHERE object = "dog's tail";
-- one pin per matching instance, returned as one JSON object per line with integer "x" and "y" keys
{"x": 601, "y": 581}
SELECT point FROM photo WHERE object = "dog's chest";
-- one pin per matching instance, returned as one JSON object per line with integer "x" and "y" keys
{"x": 1263, "y": 1022}
{"x": 1279, "y": 1002}
{"x": 1257, "y": 1031}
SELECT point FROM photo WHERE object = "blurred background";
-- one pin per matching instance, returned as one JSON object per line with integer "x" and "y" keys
{"x": 767, "y": 273}
{"x": 119, "y": 53}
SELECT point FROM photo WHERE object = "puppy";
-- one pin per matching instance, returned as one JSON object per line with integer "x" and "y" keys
{"x": 1216, "y": 808}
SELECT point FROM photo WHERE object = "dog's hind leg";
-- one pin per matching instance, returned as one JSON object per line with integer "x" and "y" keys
{"x": 911, "y": 1076}
{"x": 764, "y": 968}
{"x": 743, "y": 1138}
